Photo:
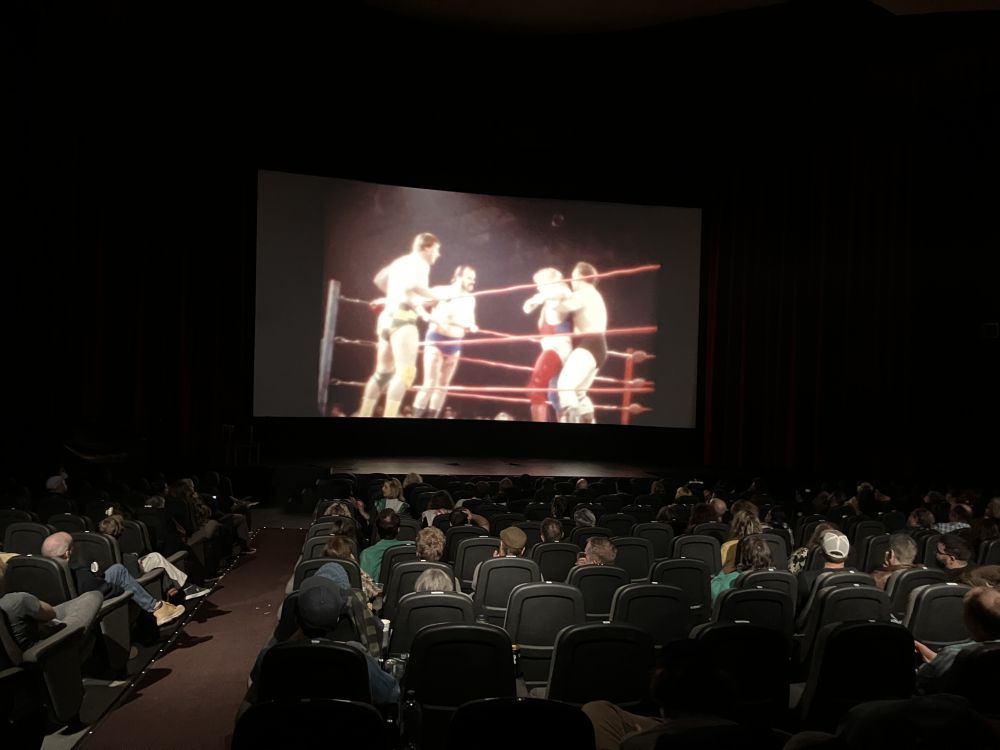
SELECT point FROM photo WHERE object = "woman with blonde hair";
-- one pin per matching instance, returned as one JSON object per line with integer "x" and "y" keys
{"x": 392, "y": 497}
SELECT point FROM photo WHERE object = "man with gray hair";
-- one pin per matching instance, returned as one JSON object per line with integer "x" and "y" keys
{"x": 584, "y": 517}
{"x": 900, "y": 555}
{"x": 112, "y": 582}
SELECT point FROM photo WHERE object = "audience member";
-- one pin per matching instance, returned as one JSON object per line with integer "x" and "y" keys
{"x": 959, "y": 517}
{"x": 700, "y": 513}
{"x": 755, "y": 554}
{"x": 324, "y": 602}
{"x": 114, "y": 525}
{"x": 798, "y": 559}
{"x": 430, "y": 543}
{"x": 953, "y": 554}
{"x": 434, "y": 579}
{"x": 688, "y": 690}
{"x": 29, "y": 618}
{"x": 834, "y": 548}
{"x": 900, "y": 556}
{"x": 599, "y": 551}
{"x": 584, "y": 517}
{"x": 982, "y": 619}
{"x": 512, "y": 542}
{"x": 551, "y": 530}
{"x": 440, "y": 503}
{"x": 111, "y": 582}
{"x": 339, "y": 548}
{"x": 745, "y": 523}
{"x": 559, "y": 506}
{"x": 387, "y": 524}
{"x": 392, "y": 498}
{"x": 920, "y": 518}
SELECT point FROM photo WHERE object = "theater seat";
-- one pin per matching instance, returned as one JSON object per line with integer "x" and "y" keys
{"x": 601, "y": 661}
{"x": 549, "y": 725}
{"x": 309, "y": 724}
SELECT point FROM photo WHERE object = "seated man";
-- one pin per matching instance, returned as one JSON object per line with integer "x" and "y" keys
{"x": 953, "y": 554}
{"x": 512, "y": 542}
{"x": 982, "y": 619}
{"x": 835, "y": 548}
{"x": 324, "y": 602}
{"x": 112, "y": 582}
{"x": 690, "y": 693}
{"x": 551, "y": 530}
{"x": 387, "y": 524}
{"x": 27, "y": 615}
{"x": 900, "y": 555}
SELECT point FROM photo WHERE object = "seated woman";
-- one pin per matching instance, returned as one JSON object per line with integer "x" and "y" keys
{"x": 755, "y": 554}
{"x": 744, "y": 524}
{"x": 434, "y": 580}
{"x": 338, "y": 548}
{"x": 114, "y": 525}
{"x": 392, "y": 498}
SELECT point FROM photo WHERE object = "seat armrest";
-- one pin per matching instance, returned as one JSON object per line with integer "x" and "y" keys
{"x": 155, "y": 582}
{"x": 63, "y": 638}
{"x": 114, "y": 602}
{"x": 57, "y": 658}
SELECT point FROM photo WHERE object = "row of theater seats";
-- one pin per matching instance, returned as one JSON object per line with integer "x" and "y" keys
{"x": 24, "y": 535}
{"x": 99, "y": 633}
{"x": 457, "y": 647}
{"x": 451, "y": 665}
{"x": 766, "y": 596}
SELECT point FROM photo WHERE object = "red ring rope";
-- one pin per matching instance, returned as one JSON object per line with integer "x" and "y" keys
{"x": 522, "y": 287}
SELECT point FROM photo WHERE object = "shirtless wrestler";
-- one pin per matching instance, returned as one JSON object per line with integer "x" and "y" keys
{"x": 450, "y": 319}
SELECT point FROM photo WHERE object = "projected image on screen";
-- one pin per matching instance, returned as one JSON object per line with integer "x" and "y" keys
{"x": 442, "y": 305}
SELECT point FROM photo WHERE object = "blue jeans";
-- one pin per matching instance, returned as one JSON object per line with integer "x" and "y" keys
{"x": 118, "y": 576}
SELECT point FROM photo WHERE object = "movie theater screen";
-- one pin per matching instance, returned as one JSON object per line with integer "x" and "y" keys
{"x": 378, "y": 301}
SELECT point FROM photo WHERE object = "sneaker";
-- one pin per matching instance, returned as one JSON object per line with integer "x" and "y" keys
{"x": 193, "y": 591}
{"x": 167, "y": 613}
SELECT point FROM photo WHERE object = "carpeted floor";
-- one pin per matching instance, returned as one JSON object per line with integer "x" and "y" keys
{"x": 189, "y": 696}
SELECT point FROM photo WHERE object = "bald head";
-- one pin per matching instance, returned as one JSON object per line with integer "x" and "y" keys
{"x": 57, "y": 546}
{"x": 718, "y": 506}
{"x": 982, "y": 613}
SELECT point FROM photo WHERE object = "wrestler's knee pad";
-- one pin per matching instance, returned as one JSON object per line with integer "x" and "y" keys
{"x": 408, "y": 374}
{"x": 382, "y": 378}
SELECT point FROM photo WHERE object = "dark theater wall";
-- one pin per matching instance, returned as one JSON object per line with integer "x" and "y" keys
{"x": 845, "y": 160}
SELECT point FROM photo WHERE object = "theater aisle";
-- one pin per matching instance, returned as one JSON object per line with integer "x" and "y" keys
{"x": 189, "y": 696}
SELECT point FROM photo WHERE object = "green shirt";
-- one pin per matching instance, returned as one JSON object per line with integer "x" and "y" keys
{"x": 721, "y": 582}
{"x": 371, "y": 558}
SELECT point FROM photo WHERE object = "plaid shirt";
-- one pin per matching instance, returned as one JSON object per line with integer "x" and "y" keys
{"x": 364, "y": 622}
{"x": 950, "y": 527}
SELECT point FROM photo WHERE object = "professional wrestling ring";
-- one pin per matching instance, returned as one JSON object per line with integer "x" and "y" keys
{"x": 622, "y": 393}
